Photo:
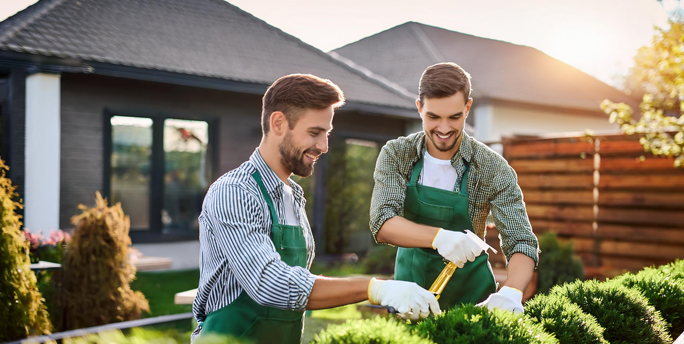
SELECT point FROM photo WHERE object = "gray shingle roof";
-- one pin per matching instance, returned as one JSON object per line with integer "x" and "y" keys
{"x": 500, "y": 70}
{"x": 210, "y": 38}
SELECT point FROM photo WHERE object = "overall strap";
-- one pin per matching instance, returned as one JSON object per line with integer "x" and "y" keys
{"x": 464, "y": 181}
{"x": 274, "y": 215}
{"x": 416, "y": 171}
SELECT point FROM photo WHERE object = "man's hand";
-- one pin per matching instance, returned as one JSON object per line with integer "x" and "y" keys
{"x": 459, "y": 248}
{"x": 507, "y": 298}
{"x": 409, "y": 299}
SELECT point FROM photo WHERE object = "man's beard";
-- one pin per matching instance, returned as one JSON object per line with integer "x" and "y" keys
{"x": 293, "y": 158}
{"x": 441, "y": 146}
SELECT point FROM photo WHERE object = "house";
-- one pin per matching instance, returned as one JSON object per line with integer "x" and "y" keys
{"x": 149, "y": 102}
{"x": 517, "y": 90}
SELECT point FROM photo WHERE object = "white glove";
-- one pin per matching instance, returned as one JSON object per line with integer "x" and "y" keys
{"x": 409, "y": 299}
{"x": 459, "y": 248}
{"x": 509, "y": 299}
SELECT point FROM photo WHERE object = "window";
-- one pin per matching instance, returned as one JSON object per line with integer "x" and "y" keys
{"x": 159, "y": 169}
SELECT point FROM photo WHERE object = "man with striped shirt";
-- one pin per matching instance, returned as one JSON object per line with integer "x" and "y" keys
{"x": 256, "y": 243}
{"x": 433, "y": 187}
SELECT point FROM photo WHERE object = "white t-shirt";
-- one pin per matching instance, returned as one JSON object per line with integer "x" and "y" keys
{"x": 438, "y": 173}
{"x": 289, "y": 202}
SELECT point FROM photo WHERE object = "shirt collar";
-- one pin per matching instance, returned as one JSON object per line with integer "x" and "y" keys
{"x": 465, "y": 150}
{"x": 273, "y": 184}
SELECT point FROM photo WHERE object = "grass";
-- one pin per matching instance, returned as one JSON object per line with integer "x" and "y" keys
{"x": 160, "y": 288}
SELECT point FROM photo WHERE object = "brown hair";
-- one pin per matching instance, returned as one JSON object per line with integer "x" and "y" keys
{"x": 444, "y": 80}
{"x": 295, "y": 92}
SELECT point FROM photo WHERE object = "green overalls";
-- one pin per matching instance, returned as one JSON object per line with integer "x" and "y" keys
{"x": 246, "y": 318}
{"x": 448, "y": 210}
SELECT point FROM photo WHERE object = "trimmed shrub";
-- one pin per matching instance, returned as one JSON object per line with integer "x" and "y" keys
{"x": 558, "y": 315}
{"x": 97, "y": 273}
{"x": 557, "y": 265}
{"x": 369, "y": 331}
{"x": 470, "y": 324}
{"x": 22, "y": 312}
{"x": 623, "y": 312}
{"x": 674, "y": 269}
{"x": 664, "y": 293}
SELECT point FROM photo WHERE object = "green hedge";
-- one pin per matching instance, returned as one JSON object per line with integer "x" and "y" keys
{"x": 623, "y": 312}
{"x": 471, "y": 325}
{"x": 664, "y": 293}
{"x": 369, "y": 331}
{"x": 558, "y": 315}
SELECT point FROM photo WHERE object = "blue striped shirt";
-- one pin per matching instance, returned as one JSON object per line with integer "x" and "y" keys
{"x": 236, "y": 251}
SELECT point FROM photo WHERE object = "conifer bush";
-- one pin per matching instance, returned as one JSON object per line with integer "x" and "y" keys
{"x": 558, "y": 315}
{"x": 664, "y": 293}
{"x": 674, "y": 269}
{"x": 22, "y": 312}
{"x": 474, "y": 325}
{"x": 557, "y": 265}
{"x": 97, "y": 273}
{"x": 369, "y": 331}
{"x": 623, "y": 312}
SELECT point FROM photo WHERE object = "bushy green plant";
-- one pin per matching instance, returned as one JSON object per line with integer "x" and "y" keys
{"x": 22, "y": 312}
{"x": 664, "y": 293}
{"x": 380, "y": 259}
{"x": 369, "y": 331}
{"x": 558, "y": 315}
{"x": 623, "y": 312}
{"x": 474, "y": 325}
{"x": 673, "y": 270}
{"x": 97, "y": 272}
{"x": 557, "y": 264}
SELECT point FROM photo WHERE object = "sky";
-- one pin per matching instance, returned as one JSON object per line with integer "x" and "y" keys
{"x": 599, "y": 37}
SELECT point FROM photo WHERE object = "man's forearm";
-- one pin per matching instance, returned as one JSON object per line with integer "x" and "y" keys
{"x": 330, "y": 292}
{"x": 401, "y": 232}
{"x": 520, "y": 271}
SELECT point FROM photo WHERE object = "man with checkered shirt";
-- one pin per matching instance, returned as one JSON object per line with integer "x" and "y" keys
{"x": 434, "y": 186}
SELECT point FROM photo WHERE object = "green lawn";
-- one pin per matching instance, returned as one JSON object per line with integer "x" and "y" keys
{"x": 160, "y": 287}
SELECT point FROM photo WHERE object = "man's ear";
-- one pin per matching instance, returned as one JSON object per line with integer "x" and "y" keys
{"x": 468, "y": 106}
{"x": 278, "y": 123}
{"x": 419, "y": 107}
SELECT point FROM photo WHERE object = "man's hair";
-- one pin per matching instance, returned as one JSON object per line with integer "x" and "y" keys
{"x": 444, "y": 80}
{"x": 293, "y": 93}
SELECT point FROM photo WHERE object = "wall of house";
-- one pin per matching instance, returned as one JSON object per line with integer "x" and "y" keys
{"x": 85, "y": 98}
{"x": 506, "y": 120}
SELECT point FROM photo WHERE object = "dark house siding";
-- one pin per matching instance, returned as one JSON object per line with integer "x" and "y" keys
{"x": 84, "y": 99}
{"x": 14, "y": 128}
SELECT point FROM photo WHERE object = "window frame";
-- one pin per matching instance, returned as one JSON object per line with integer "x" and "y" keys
{"x": 153, "y": 234}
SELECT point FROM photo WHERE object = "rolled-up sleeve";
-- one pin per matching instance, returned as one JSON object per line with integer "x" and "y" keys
{"x": 242, "y": 233}
{"x": 389, "y": 191}
{"x": 510, "y": 216}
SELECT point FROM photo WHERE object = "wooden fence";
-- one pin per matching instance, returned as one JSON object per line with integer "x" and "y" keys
{"x": 622, "y": 208}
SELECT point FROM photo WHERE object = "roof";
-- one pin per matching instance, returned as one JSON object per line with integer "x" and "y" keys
{"x": 499, "y": 70}
{"x": 208, "y": 38}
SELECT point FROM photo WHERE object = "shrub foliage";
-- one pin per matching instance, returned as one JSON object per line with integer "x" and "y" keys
{"x": 664, "y": 293}
{"x": 22, "y": 312}
{"x": 97, "y": 273}
{"x": 471, "y": 325}
{"x": 558, "y": 315}
{"x": 557, "y": 264}
{"x": 623, "y": 312}
{"x": 369, "y": 331}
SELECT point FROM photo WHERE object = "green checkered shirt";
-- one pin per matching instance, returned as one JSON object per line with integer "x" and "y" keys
{"x": 492, "y": 185}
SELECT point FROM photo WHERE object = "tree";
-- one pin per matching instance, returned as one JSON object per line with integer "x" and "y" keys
{"x": 22, "y": 312}
{"x": 658, "y": 73}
